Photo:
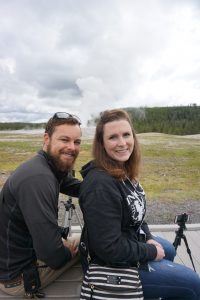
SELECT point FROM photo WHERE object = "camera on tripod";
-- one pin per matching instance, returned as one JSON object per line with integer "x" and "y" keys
{"x": 66, "y": 228}
{"x": 70, "y": 208}
{"x": 182, "y": 219}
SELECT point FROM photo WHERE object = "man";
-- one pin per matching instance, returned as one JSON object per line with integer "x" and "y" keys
{"x": 32, "y": 251}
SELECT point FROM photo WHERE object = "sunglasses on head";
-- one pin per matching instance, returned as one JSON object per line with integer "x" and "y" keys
{"x": 64, "y": 115}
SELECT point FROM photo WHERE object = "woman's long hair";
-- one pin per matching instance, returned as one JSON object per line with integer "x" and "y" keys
{"x": 131, "y": 167}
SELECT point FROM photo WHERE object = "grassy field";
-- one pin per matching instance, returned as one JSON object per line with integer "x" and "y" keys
{"x": 170, "y": 170}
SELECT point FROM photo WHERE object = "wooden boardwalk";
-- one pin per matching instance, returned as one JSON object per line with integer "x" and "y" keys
{"x": 68, "y": 285}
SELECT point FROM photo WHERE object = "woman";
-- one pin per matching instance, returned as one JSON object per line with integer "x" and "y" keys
{"x": 113, "y": 206}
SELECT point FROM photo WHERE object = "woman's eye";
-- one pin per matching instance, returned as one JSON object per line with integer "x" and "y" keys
{"x": 127, "y": 134}
{"x": 112, "y": 137}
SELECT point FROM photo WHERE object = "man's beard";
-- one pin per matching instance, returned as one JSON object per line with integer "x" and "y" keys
{"x": 60, "y": 165}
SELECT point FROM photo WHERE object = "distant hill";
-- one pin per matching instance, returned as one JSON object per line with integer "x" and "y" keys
{"x": 179, "y": 120}
{"x": 20, "y": 125}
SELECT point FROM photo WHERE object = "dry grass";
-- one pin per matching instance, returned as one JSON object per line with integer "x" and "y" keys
{"x": 171, "y": 167}
{"x": 171, "y": 164}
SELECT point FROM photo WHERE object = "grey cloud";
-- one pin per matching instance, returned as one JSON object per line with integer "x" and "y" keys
{"x": 88, "y": 55}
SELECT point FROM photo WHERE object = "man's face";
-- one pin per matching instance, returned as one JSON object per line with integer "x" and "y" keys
{"x": 63, "y": 146}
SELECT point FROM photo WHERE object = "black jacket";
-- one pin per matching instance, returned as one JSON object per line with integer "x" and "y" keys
{"x": 113, "y": 231}
{"x": 29, "y": 216}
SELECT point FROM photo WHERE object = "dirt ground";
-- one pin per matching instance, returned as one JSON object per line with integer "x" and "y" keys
{"x": 157, "y": 213}
{"x": 164, "y": 213}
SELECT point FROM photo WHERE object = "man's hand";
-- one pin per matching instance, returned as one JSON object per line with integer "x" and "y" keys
{"x": 72, "y": 244}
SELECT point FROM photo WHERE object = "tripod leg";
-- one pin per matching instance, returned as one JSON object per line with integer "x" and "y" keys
{"x": 177, "y": 241}
{"x": 188, "y": 251}
{"x": 70, "y": 221}
{"x": 78, "y": 218}
{"x": 65, "y": 219}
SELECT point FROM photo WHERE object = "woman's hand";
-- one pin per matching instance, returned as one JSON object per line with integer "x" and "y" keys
{"x": 160, "y": 251}
{"x": 153, "y": 242}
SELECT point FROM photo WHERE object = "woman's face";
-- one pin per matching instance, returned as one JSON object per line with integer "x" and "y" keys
{"x": 118, "y": 140}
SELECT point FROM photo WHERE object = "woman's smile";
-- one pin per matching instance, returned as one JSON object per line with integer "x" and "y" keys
{"x": 118, "y": 140}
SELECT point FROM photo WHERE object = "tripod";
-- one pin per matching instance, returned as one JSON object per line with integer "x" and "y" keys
{"x": 180, "y": 235}
{"x": 66, "y": 229}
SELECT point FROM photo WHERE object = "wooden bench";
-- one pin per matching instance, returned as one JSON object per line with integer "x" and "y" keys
{"x": 68, "y": 285}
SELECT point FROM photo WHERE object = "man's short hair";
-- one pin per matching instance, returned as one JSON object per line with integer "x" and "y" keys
{"x": 61, "y": 118}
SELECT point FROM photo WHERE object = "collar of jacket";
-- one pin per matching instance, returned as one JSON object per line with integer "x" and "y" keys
{"x": 87, "y": 167}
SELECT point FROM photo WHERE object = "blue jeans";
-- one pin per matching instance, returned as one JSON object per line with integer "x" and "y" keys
{"x": 169, "y": 280}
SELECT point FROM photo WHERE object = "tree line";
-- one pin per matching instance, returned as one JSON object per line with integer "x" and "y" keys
{"x": 20, "y": 125}
{"x": 179, "y": 120}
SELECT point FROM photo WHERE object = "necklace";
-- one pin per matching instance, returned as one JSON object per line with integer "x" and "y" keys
{"x": 128, "y": 184}
{"x": 133, "y": 184}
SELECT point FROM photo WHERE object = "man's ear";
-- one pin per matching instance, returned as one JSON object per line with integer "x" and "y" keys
{"x": 45, "y": 140}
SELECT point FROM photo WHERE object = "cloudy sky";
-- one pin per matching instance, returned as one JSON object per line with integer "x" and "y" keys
{"x": 84, "y": 56}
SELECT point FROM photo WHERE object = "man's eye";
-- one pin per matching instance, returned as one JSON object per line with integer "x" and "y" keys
{"x": 64, "y": 140}
{"x": 77, "y": 143}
